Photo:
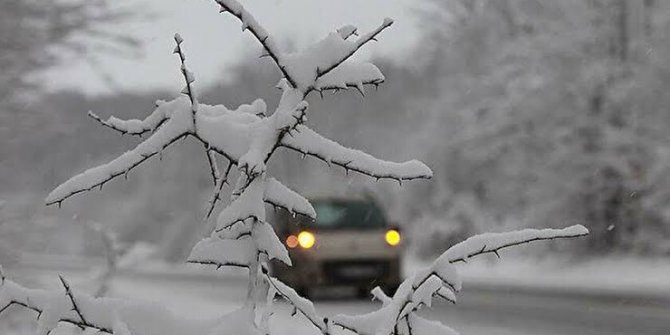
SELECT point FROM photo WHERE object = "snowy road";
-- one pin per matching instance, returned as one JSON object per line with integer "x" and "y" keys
{"x": 481, "y": 310}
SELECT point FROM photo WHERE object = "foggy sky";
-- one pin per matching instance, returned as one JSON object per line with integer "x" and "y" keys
{"x": 214, "y": 41}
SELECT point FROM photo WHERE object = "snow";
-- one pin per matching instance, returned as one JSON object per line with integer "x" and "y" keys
{"x": 279, "y": 195}
{"x": 423, "y": 326}
{"x": 267, "y": 241}
{"x": 308, "y": 142}
{"x": 615, "y": 276}
{"x": 440, "y": 278}
{"x": 347, "y": 30}
{"x": 180, "y": 122}
{"x": 215, "y": 251}
{"x": 350, "y": 74}
{"x": 321, "y": 58}
{"x": 101, "y": 313}
{"x": 301, "y": 304}
{"x": 134, "y": 126}
{"x": 242, "y": 237}
{"x": 248, "y": 205}
{"x": 491, "y": 242}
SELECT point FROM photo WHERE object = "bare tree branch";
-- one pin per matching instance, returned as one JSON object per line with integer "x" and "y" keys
{"x": 70, "y": 295}
{"x": 249, "y": 22}
{"x": 218, "y": 187}
{"x": 213, "y": 166}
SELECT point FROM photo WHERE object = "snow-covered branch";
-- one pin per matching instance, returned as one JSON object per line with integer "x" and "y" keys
{"x": 323, "y": 65}
{"x": 281, "y": 196}
{"x": 493, "y": 242}
{"x": 262, "y": 35}
{"x": 350, "y": 74}
{"x": 299, "y": 304}
{"x": 268, "y": 132}
{"x": 248, "y": 205}
{"x": 338, "y": 59}
{"x": 220, "y": 253}
{"x": 134, "y": 127}
{"x": 108, "y": 315}
{"x": 189, "y": 78}
{"x": 54, "y": 307}
{"x": 306, "y": 141}
{"x": 179, "y": 125}
{"x": 397, "y": 315}
{"x": 326, "y": 63}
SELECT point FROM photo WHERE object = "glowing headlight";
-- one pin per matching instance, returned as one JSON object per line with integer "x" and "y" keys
{"x": 306, "y": 239}
{"x": 392, "y": 237}
{"x": 292, "y": 241}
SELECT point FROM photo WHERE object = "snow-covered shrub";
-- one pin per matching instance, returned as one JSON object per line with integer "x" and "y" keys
{"x": 247, "y": 137}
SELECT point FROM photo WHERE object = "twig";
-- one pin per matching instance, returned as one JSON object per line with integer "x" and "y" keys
{"x": 250, "y": 23}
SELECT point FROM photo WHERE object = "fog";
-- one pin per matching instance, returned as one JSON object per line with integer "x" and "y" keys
{"x": 530, "y": 113}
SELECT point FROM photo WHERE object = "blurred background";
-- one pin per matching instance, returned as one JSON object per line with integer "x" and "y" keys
{"x": 532, "y": 113}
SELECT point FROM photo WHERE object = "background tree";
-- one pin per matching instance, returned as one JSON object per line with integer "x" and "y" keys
{"x": 35, "y": 35}
{"x": 546, "y": 115}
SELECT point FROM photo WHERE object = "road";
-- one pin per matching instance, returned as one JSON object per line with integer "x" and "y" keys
{"x": 481, "y": 309}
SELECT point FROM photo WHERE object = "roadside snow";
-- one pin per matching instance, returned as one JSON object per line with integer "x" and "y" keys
{"x": 617, "y": 276}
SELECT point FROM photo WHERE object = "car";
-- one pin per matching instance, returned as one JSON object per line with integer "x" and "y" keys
{"x": 351, "y": 243}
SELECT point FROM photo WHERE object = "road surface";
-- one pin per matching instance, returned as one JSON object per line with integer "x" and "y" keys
{"x": 481, "y": 310}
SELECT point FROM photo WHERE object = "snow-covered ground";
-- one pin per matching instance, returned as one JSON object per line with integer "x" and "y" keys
{"x": 624, "y": 277}
{"x": 497, "y": 296}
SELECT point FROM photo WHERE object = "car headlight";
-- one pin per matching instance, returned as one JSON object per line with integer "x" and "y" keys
{"x": 292, "y": 241}
{"x": 392, "y": 237}
{"x": 306, "y": 239}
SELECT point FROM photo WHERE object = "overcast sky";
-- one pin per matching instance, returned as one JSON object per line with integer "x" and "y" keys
{"x": 214, "y": 41}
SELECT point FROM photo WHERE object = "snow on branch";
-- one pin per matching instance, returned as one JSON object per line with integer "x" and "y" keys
{"x": 281, "y": 196}
{"x": 250, "y": 23}
{"x": 189, "y": 78}
{"x": 300, "y": 304}
{"x": 134, "y": 126}
{"x": 269, "y": 131}
{"x": 268, "y": 243}
{"x": 329, "y": 54}
{"x": 306, "y": 141}
{"x": 106, "y": 315}
{"x": 52, "y": 307}
{"x": 310, "y": 68}
{"x": 218, "y": 252}
{"x": 350, "y": 74}
{"x": 335, "y": 59}
{"x": 398, "y": 313}
{"x": 179, "y": 125}
{"x": 248, "y": 205}
{"x": 493, "y": 242}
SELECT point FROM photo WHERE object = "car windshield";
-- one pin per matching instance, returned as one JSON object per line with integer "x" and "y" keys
{"x": 347, "y": 214}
